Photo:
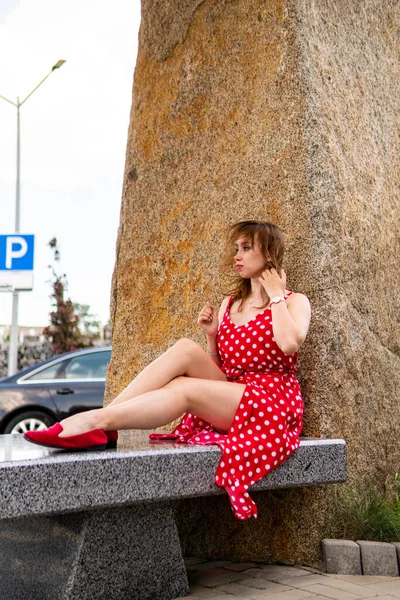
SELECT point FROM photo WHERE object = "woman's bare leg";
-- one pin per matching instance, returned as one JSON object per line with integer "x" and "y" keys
{"x": 185, "y": 357}
{"x": 213, "y": 401}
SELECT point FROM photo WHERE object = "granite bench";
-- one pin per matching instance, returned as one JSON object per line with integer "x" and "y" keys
{"x": 100, "y": 524}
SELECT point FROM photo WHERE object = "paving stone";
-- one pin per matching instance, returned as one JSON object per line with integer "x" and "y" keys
{"x": 347, "y": 586}
{"x": 299, "y": 582}
{"x": 222, "y": 596}
{"x": 290, "y": 595}
{"x": 230, "y": 597}
{"x": 341, "y": 556}
{"x": 330, "y": 592}
{"x": 212, "y": 564}
{"x": 214, "y": 577}
{"x": 213, "y": 595}
{"x": 276, "y": 572}
{"x": 255, "y": 573}
{"x": 195, "y": 597}
{"x": 192, "y": 560}
{"x": 362, "y": 579}
{"x": 237, "y": 589}
{"x": 378, "y": 558}
{"x": 201, "y": 591}
{"x": 240, "y": 566}
{"x": 261, "y": 583}
{"x": 197, "y": 575}
{"x": 331, "y": 581}
{"x": 281, "y": 572}
{"x": 388, "y": 587}
{"x": 314, "y": 569}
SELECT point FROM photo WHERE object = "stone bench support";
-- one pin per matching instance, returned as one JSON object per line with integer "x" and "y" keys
{"x": 100, "y": 524}
{"x": 123, "y": 552}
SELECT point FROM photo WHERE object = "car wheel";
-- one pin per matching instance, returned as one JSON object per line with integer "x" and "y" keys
{"x": 29, "y": 421}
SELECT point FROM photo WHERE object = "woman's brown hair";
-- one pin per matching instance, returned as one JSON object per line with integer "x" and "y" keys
{"x": 272, "y": 244}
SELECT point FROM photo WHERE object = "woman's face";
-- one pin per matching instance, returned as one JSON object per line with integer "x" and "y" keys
{"x": 249, "y": 260}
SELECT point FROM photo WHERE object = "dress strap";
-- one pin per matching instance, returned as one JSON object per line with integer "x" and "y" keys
{"x": 228, "y": 306}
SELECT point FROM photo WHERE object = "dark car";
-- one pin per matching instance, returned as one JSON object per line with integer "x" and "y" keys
{"x": 45, "y": 393}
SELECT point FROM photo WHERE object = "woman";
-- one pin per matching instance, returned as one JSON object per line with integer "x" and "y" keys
{"x": 241, "y": 394}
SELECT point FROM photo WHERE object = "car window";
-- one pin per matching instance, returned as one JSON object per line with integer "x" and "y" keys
{"x": 88, "y": 366}
{"x": 49, "y": 372}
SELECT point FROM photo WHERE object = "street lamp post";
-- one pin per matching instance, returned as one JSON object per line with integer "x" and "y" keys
{"x": 13, "y": 344}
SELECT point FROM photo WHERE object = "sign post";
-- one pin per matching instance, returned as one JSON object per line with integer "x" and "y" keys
{"x": 13, "y": 348}
{"x": 16, "y": 275}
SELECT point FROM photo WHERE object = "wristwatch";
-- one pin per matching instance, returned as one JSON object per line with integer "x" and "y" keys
{"x": 277, "y": 299}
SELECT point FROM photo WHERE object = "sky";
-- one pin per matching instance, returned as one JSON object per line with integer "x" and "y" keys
{"x": 73, "y": 141}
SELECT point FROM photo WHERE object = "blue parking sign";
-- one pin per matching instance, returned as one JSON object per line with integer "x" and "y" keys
{"x": 16, "y": 252}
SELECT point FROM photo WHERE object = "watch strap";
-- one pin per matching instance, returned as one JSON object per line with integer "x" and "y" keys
{"x": 277, "y": 299}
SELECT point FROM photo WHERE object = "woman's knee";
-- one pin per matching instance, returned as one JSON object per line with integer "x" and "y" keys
{"x": 182, "y": 388}
{"x": 188, "y": 347}
{"x": 179, "y": 391}
{"x": 178, "y": 383}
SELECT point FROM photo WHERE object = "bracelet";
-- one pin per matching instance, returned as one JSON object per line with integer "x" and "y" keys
{"x": 212, "y": 353}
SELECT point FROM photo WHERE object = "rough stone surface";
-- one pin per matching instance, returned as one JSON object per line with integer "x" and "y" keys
{"x": 128, "y": 552}
{"x": 40, "y": 481}
{"x": 285, "y": 110}
{"x": 115, "y": 540}
{"x": 378, "y": 558}
{"x": 131, "y": 552}
{"x": 341, "y": 556}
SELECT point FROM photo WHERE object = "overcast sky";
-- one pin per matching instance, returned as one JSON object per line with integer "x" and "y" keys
{"x": 73, "y": 140}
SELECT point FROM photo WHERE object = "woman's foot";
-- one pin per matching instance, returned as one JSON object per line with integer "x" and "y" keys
{"x": 51, "y": 438}
{"x": 112, "y": 437}
{"x": 81, "y": 423}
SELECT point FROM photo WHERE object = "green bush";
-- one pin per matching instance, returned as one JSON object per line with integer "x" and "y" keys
{"x": 371, "y": 515}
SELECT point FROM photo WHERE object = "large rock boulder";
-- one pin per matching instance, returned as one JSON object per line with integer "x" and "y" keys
{"x": 284, "y": 111}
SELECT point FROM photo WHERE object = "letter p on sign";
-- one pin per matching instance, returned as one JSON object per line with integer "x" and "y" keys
{"x": 16, "y": 248}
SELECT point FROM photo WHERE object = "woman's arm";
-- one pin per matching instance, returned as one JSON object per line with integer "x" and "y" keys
{"x": 290, "y": 319}
{"x": 209, "y": 323}
{"x": 290, "y": 322}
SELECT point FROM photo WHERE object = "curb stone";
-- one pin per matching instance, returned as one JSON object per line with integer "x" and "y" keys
{"x": 341, "y": 556}
{"x": 397, "y": 546}
{"x": 379, "y": 558}
{"x": 346, "y": 557}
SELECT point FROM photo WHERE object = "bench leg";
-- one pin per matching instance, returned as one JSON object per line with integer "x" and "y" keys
{"x": 129, "y": 552}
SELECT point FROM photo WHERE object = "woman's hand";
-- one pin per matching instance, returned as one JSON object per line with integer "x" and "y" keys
{"x": 208, "y": 320}
{"x": 273, "y": 284}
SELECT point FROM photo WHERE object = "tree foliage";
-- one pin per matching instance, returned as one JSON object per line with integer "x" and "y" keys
{"x": 89, "y": 324}
{"x": 63, "y": 331}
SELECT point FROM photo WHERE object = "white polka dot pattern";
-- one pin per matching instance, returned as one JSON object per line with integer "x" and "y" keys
{"x": 254, "y": 445}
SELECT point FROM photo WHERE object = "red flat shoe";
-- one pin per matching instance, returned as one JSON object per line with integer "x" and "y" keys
{"x": 50, "y": 438}
{"x": 112, "y": 438}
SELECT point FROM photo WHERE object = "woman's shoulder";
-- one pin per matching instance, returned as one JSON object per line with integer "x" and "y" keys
{"x": 225, "y": 303}
{"x": 223, "y": 307}
{"x": 297, "y": 298}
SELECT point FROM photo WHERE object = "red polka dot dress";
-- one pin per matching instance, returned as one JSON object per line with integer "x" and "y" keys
{"x": 267, "y": 424}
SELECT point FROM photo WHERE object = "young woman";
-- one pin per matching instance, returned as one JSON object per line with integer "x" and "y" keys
{"x": 242, "y": 393}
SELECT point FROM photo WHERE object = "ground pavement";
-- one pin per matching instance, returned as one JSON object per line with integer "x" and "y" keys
{"x": 221, "y": 580}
